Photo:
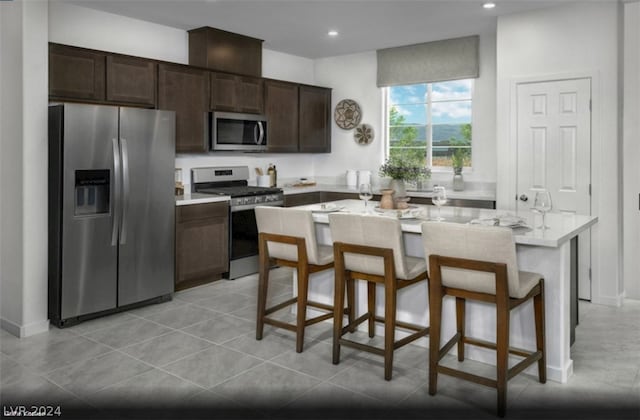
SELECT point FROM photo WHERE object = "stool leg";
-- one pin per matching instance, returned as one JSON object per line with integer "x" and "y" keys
{"x": 390, "y": 289}
{"x": 435, "y": 319}
{"x": 371, "y": 306}
{"x": 303, "y": 286}
{"x": 502, "y": 350}
{"x": 351, "y": 303}
{"x": 538, "y": 308}
{"x": 460, "y": 321}
{"x": 338, "y": 304}
{"x": 263, "y": 281}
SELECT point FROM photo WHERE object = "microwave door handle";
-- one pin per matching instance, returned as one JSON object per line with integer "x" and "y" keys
{"x": 261, "y": 138}
{"x": 117, "y": 172}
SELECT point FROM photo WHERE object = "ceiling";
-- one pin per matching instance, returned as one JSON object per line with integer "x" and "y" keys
{"x": 300, "y": 27}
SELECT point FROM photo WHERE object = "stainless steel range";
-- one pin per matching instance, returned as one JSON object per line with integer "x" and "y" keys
{"x": 243, "y": 231}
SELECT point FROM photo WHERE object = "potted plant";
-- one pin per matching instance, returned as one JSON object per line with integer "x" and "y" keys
{"x": 400, "y": 170}
{"x": 458, "y": 159}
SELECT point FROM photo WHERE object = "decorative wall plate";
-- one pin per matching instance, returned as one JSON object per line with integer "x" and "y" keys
{"x": 347, "y": 114}
{"x": 363, "y": 134}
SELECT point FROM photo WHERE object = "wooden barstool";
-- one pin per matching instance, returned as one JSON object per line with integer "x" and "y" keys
{"x": 479, "y": 263}
{"x": 372, "y": 249}
{"x": 287, "y": 238}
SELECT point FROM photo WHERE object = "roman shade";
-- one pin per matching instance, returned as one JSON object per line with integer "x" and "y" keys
{"x": 436, "y": 61}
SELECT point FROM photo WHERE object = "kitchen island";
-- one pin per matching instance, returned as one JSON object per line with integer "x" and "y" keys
{"x": 549, "y": 252}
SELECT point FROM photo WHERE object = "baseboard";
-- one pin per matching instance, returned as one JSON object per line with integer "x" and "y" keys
{"x": 608, "y": 301}
{"x": 24, "y": 330}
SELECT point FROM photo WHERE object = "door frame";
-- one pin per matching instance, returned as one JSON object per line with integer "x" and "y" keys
{"x": 595, "y": 164}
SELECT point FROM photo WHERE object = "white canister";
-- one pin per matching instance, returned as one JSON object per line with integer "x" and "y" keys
{"x": 364, "y": 177}
{"x": 264, "y": 180}
{"x": 352, "y": 178}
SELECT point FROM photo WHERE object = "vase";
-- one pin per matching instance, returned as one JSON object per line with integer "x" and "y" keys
{"x": 397, "y": 185}
{"x": 386, "y": 202}
{"x": 458, "y": 180}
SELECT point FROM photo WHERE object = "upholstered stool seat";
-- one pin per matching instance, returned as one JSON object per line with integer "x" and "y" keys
{"x": 372, "y": 249}
{"x": 479, "y": 263}
{"x": 287, "y": 238}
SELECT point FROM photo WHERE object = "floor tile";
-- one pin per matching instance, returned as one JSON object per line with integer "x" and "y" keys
{"x": 14, "y": 346}
{"x": 205, "y": 291}
{"x": 224, "y": 303}
{"x": 367, "y": 377}
{"x": 59, "y": 353}
{"x": 96, "y": 324}
{"x": 212, "y": 366}
{"x": 92, "y": 375}
{"x": 316, "y": 360}
{"x": 270, "y": 346}
{"x": 182, "y": 316}
{"x": 37, "y": 390}
{"x": 166, "y": 348}
{"x": 156, "y": 308}
{"x": 154, "y": 389}
{"x": 12, "y": 371}
{"x": 266, "y": 386}
{"x": 127, "y": 333}
{"x": 221, "y": 328}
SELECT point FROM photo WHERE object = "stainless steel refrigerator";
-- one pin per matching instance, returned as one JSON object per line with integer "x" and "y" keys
{"x": 111, "y": 209}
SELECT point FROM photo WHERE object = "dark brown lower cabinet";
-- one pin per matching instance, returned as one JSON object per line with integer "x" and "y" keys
{"x": 202, "y": 243}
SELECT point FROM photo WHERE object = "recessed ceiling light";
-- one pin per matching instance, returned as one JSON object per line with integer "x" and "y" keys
{"x": 489, "y": 5}
{"x": 332, "y": 33}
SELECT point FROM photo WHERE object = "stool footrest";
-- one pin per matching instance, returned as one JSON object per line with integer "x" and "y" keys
{"x": 280, "y": 306}
{"x": 467, "y": 376}
{"x": 525, "y": 363}
{"x": 490, "y": 345}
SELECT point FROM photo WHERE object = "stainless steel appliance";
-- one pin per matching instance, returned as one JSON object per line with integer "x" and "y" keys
{"x": 243, "y": 231}
{"x": 111, "y": 209}
{"x": 239, "y": 132}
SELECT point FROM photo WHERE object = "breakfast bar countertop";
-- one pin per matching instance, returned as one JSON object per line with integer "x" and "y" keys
{"x": 468, "y": 194}
{"x": 562, "y": 227}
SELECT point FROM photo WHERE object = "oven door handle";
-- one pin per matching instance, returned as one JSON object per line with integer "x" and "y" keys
{"x": 244, "y": 207}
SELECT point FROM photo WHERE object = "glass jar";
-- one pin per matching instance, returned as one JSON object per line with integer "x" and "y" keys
{"x": 458, "y": 180}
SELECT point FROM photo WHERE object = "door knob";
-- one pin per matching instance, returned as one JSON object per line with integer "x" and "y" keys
{"x": 524, "y": 197}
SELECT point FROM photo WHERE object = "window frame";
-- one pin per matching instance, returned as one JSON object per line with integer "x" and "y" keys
{"x": 386, "y": 92}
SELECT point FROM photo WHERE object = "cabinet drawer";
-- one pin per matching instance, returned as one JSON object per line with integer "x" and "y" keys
{"x": 201, "y": 211}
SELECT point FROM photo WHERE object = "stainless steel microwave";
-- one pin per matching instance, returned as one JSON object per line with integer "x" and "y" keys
{"x": 241, "y": 132}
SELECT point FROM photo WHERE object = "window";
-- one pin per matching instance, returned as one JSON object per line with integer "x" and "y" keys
{"x": 430, "y": 123}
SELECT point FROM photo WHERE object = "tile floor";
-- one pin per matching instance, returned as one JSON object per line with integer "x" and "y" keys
{"x": 196, "y": 357}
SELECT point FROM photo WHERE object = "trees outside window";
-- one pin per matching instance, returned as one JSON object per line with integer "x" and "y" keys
{"x": 430, "y": 123}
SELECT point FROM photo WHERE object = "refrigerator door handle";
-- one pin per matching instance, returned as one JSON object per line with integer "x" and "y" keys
{"x": 125, "y": 190}
{"x": 116, "y": 192}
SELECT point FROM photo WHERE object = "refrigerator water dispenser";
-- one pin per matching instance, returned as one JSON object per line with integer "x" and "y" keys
{"x": 92, "y": 192}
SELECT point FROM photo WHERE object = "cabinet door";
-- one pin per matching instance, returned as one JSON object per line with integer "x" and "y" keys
{"x": 223, "y": 92}
{"x": 302, "y": 199}
{"x": 315, "y": 119}
{"x": 131, "y": 80}
{"x": 202, "y": 243}
{"x": 76, "y": 74}
{"x": 186, "y": 91}
{"x": 281, "y": 108}
{"x": 250, "y": 94}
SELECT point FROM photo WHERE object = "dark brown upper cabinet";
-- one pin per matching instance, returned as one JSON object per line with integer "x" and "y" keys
{"x": 281, "y": 109}
{"x": 225, "y": 51}
{"x": 76, "y": 73}
{"x": 185, "y": 90}
{"x": 131, "y": 80}
{"x": 233, "y": 93}
{"x": 314, "y": 119}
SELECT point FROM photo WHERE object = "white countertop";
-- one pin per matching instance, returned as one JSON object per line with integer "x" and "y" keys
{"x": 197, "y": 198}
{"x": 466, "y": 194}
{"x": 562, "y": 227}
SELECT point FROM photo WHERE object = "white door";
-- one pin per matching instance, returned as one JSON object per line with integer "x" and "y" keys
{"x": 554, "y": 153}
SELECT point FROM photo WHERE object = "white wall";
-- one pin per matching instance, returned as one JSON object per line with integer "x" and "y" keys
{"x": 631, "y": 149}
{"x": 579, "y": 39}
{"x": 354, "y": 77}
{"x": 23, "y": 159}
